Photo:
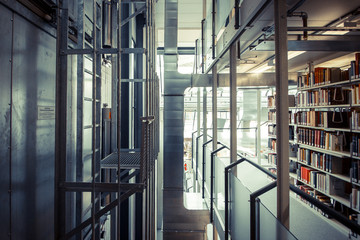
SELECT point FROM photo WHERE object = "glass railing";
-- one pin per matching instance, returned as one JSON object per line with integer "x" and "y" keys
{"x": 231, "y": 202}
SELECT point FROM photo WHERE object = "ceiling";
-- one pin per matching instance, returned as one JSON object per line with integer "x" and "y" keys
{"x": 190, "y": 14}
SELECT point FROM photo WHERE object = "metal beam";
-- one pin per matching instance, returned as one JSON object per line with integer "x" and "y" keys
{"x": 103, "y": 51}
{"x": 323, "y": 29}
{"x": 99, "y": 187}
{"x": 61, "y": 119}
{"x": 282, "y": 111}
{"x": 99, "y": 214}
{"x": 214, "y": 107}
{"x": 126, "y": 20}
{"x": 180, "y": 51}
{"x": 233, "y": 111}
{"x": 242, "y": 79}
{"x": 312, "y": 45}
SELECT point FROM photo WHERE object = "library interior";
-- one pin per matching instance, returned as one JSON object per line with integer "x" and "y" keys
{"x": 179, "y": 119}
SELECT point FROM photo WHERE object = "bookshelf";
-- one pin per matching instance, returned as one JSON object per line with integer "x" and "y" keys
{"x": 271, "y": 152}
{"x": 326, "y": 136}
{"x": 327, "y": 130}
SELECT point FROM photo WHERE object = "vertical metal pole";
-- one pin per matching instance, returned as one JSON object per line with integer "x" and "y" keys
{"x": 119, "y": 120}
{"x": 198, "y": 110}
{"x": 79, "y": 114}
{"x": 258, "y": 127}
{"x": 252, "y": 218}
{"x": 214, "y": 107}
{"x": 212, "y": 163}
{"x": 213, "y": 28}
{"x": 205, "y": 114}
{"x": 203, "y": 45}
{"x": 93, "y": 159}
{"x": 61, "y": 118}
{"x": 226, "y": 204}
{"x": 233, "y": 113}
{"x": 282, "y": 115}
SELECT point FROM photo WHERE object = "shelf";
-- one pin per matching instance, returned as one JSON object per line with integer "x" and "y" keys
{"x": 333, "y": 153}
{"x": 339, "y": 176}
{"x": 274, "y": 108}
{"x": 325, "y": 85}
{"x": 339, "y": 199}
{"x": 356, "y": 80}
{"x": 293, "y": 175}
{"x": 325, "y": 129}
{"x": 274, "y": 123}
{"x": 270, "y": 151}
{"x": 325, "y": 106}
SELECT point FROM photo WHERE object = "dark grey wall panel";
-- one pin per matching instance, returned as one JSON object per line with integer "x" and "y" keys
{"x": 5, "y": 116}
{"x": 33, "y": 140}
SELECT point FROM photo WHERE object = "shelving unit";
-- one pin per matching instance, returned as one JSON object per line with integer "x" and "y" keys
{"x": 330, "y": 163}
{"x": 311, "y": 120}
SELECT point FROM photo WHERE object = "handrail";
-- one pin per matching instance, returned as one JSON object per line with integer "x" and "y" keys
{"x": 226, "y": 232}
{"x": 203, "y": 168}
{"x": 212, "y": 182}
{"x": 254, "y": 203}
{"x": 197, "y": 154}
{"x": 331, "y": 212}
{"x": 192, "y": 151}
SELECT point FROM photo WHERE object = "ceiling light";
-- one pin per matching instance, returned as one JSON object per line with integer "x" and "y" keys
{"x": 261, "y": 68}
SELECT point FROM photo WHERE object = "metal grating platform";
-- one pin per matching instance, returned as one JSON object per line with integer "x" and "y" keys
{"x": 128, "y": 160}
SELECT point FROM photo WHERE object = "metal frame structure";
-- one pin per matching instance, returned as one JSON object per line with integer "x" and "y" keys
{"x": 118, "y": 188}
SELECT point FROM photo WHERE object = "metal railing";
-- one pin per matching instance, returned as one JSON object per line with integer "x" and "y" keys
{"x": 254, "y": 200}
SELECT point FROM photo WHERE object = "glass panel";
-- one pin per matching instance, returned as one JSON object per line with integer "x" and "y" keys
{"x": 239, "y": 209}
{"x": 307, "y": 223}
{"x": 199, "y": 161}
{"x": 207, "y": 173}
{"x": 219, "y": 186}
{"x": 87, "y": 141}
{"x": 88, "y": 85}
{"x": 87, "y": 110}
{"x": 270, "y": 227}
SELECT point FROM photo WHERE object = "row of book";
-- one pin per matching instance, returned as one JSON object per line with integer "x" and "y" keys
{"x": 272, "y": 131}
{"x": 321, "y": 76}
{"x": 322, "y": 139}
{"x": 271, "y": 101}
{"x": 355, "y": 198}
{"x": 354, "y": 171}
{"x": 316, "y": 179}
{"x": 355, "y": 145}
{"x": 272, "y": 158}
{"x": 354, "y": 70}
{"x": 355, "y": 94}
{"x": 323, "y": 161}
{"x": 323, "y": 97}
{"x": 326, "y": 119}
{"x": 319, "y": 196}
{"x": 272, "y": 116}
{"x": 272, "y": 144}
{"x": 323, "y": 182}
{"x": 355, "y": 117}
